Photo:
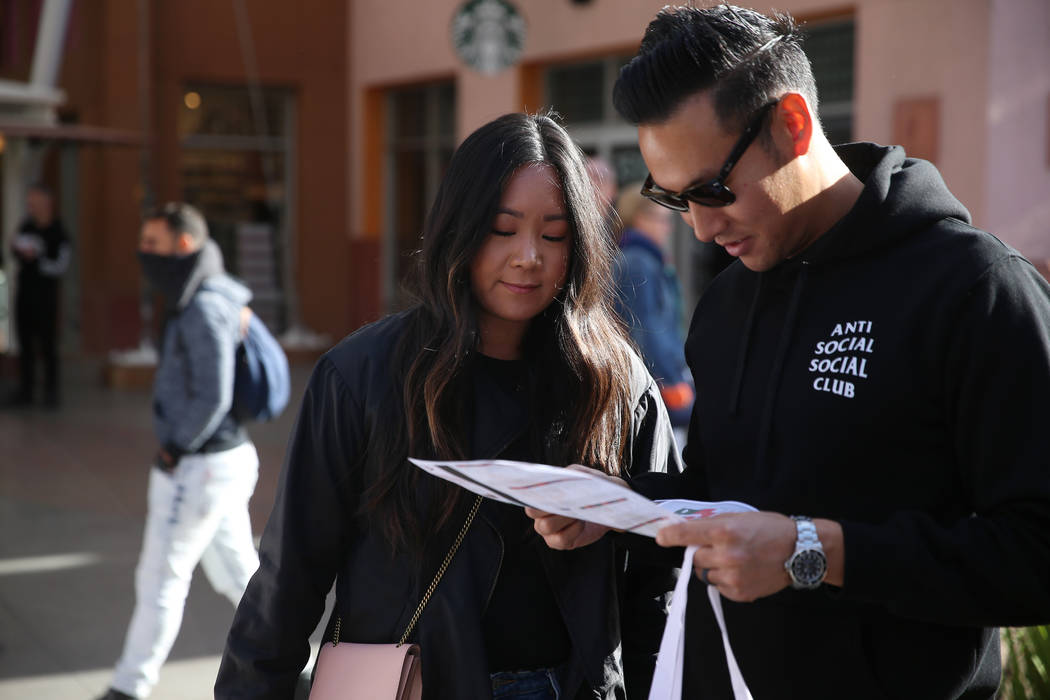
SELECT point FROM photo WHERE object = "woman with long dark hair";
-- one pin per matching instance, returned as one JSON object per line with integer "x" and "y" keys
{"x": 511, "y": 350}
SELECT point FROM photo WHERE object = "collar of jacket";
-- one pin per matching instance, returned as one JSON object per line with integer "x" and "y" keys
{"x": 901, "y": 197}
{"x": 632, "y": 238}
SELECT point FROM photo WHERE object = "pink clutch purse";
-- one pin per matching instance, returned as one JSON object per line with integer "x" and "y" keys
{"x": 347, "y": 671}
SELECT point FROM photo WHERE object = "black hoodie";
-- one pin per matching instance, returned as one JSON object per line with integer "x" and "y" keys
{"x": 895, "y": 377}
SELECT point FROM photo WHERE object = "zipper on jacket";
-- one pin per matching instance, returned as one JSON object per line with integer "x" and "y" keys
{"x": 499, "y": 536}
{"x": 499, "y": 565}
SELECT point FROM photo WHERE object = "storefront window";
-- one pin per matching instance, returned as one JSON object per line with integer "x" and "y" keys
{"x": 235, "y": 165}
{"x": 581, "y": 93}
{"x": 422, "y": 138}
{"x": 829, "y": 46}
{"x": 576, "y": 91}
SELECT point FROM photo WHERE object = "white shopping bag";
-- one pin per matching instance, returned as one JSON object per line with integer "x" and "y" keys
{"x": 667, "y": 680}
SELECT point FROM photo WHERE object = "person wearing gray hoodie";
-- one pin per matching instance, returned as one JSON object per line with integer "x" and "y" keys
{"x": 205, "y": 469}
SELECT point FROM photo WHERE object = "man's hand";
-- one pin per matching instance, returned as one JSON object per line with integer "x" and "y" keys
{"x": 560, "y": 532}
{"x": 246, "y": 319}
{"x": 744, "y": 553}
{"x": 26, "y": 251}
{"x": 164, "y": 461}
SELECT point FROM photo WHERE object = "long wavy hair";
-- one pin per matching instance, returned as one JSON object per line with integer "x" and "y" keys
{"x": 576, "y": 350}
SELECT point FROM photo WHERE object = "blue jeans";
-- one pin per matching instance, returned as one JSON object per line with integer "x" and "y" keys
{"x": 541, "y": 684}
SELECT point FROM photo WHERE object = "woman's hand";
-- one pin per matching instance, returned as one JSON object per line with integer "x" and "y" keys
{"x": 561, "y": 532}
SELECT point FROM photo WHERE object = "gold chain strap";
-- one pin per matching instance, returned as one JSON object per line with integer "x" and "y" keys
{"x": 433, "y": 584}
{"x": 335, "y": 632}
{"x": 441, "y": 570}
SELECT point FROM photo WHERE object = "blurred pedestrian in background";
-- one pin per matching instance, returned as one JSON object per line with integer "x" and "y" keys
{"x": 41, "y": 248}
{"x": 205, "y": 470}
{"x": 603, "y": 177}
{"x": 649, "y": 300}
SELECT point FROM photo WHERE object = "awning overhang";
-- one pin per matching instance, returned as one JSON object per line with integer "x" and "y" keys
{"x": 28, "y": 95}
{"x": 78, "y": 133}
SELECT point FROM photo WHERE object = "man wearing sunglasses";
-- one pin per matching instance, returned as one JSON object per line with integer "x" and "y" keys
{"x": 850, "y": 385}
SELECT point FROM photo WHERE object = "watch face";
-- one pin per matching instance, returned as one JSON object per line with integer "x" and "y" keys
{"x": 809, "y": 567}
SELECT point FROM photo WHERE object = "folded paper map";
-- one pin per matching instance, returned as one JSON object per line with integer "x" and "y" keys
{"x": 588, "y": 496}
{"x": 572, "y": 493}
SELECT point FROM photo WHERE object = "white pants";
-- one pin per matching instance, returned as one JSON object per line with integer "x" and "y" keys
{"x": 199, "y": 513}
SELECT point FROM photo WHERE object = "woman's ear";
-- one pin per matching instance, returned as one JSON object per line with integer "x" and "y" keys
{"x": 792, "y": 113}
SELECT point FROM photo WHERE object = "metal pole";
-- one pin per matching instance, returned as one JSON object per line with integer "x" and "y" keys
{"x": 50, "y": 40}
{"x": 14, "y": 193}
{"x": 145, "y": 162}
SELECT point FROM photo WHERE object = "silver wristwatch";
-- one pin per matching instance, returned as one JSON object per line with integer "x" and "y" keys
{"x": 808, "y": 565}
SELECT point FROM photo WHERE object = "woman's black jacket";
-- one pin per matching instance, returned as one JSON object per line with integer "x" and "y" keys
{"x": 613, "y": 607}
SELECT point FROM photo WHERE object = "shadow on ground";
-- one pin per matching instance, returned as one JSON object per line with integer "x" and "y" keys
{"x": 72, "y": 506}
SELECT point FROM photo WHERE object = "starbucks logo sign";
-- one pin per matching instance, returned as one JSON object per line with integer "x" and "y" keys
{"x": 488, "y": 35}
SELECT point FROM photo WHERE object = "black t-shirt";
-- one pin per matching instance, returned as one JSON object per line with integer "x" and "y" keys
{"x": 523, "y": 627}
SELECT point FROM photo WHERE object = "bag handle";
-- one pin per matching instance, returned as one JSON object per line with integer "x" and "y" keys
{"x": 433, "y": 584}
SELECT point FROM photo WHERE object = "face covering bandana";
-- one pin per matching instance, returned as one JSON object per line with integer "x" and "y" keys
{"x": 168, "y": 274}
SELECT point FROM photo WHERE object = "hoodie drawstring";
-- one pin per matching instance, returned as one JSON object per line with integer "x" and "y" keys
{"x": 778, "y": 364}
{"x": 745, "y": 345}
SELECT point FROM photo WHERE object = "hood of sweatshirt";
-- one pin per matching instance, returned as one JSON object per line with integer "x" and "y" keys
{"x": 633, "y": 238}
{"x": 901, "y": 197}
{"x": 235, "y": 291}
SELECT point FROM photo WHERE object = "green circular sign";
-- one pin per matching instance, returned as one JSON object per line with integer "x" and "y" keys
{"x": 488, "y": 35}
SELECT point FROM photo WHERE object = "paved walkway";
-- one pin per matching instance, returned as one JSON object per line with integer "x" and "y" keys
{"x": 72, "y": 506}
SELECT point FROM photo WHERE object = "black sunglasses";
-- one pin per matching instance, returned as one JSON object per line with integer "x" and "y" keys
{"x": 714, "y": 193}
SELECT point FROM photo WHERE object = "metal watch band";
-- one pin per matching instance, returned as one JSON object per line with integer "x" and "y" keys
{"x": 806, "y": 533}
{"x": 807, "y": 566}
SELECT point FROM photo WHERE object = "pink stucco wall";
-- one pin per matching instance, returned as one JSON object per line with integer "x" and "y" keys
{"x": 1017, "y": 176}
{"x": 927, "y": 48}
{"x": 394, "y": 43}
{"x": 985, "y": 61}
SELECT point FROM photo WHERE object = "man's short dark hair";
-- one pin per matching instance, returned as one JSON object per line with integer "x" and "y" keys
{"x": 746, "y": 58}
{"x": 182, "y": 218}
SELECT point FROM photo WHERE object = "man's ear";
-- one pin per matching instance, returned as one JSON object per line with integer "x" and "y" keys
{"x": 184, "y": 244}
{"x": 793, "y": 113}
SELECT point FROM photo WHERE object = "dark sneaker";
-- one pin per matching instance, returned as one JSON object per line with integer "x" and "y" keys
{"x": 113, "y": 694}
{"x": 20, "y": 399}
{"x": 52, "y": 401}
